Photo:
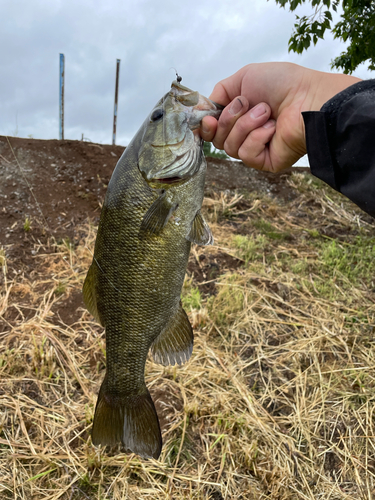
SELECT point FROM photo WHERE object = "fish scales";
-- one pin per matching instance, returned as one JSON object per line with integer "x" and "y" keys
{"x": 150, "y": 217}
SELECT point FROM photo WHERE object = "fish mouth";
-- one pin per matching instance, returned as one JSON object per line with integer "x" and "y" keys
{"x": 169, "y": 144}
{"x": 160, "y": 182}
{"x": 168, "y": 180}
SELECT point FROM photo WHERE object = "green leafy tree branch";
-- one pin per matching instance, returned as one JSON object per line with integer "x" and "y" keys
{"x": 356, "y": 27}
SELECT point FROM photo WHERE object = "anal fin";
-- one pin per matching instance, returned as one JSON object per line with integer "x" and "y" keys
{"x": 174, "y": 345}
{"x": 200, "y": 233}
{"x": 89, "y": 295}
{"x": 158, "y": 215}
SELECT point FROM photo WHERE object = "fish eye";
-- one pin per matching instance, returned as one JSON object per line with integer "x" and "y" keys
{"x": 157, "y": 114}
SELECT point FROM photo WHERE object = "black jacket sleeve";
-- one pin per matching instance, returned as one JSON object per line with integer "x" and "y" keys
{"x": 340, "y": 140}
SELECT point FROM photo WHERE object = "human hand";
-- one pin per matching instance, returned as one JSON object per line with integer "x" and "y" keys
{"x": 262, "y": 123}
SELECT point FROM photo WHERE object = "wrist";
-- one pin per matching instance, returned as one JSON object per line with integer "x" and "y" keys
{"x": 326, "y": 85}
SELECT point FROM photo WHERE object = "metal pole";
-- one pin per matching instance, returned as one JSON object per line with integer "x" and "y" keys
{"x": 116, "y": 101}
{"x": 62, "y": 84}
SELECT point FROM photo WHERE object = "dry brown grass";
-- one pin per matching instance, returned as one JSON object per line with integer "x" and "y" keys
{"x": 277, "y": 400}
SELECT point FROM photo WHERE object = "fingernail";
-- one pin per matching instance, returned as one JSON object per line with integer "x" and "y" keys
{"x": 258, "y": 111}
{"x": 205, "y": 129}
{"x": 269, "y": 124}
{"x": 236, "y": 107}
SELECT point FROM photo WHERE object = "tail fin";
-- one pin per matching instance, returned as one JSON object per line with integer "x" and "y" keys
{"x": 130, "y": 420}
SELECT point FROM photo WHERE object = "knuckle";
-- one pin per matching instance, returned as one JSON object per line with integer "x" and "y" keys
{"x": 263, "y": 135}
{"x": 218, "y": 88}
{"x": 248, "y": 156}
{"x": 230, "y": 150}
{"x": 219, "y": 144}
{"x": 225, "y": 119}
{"x": 242, "y": 127}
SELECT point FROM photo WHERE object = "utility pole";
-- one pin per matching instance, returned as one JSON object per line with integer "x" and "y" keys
{"x": 116, "y": 101}
{"x": 61, "y": 95}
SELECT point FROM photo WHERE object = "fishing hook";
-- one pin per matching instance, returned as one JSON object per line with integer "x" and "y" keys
{"x": 178, "y": 77}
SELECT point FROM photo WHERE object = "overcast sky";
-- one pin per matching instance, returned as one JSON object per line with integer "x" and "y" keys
{"x": 205, "y": 40}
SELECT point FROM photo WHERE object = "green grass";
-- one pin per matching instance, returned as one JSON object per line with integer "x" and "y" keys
{"x": 250, "y": 248}
{"x": 191, "y": 297}
{"x": 229, "y": 300}
{"x": 270, "y": 231}
{"x": 60, "y": 288}
{"x": 27, "y": 225}
{"x": 355, "y": 259}
{"x": 210, "y": 150}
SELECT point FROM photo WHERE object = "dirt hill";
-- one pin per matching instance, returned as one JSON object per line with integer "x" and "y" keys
{"x": 61, "y": 183}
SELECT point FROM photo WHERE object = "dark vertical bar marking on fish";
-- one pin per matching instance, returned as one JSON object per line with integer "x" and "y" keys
{"x": 61, "y": 96}
{"x": 116, "y": 101}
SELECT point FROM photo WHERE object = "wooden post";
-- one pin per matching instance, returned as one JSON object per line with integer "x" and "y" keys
{"x": 116, "y": 101}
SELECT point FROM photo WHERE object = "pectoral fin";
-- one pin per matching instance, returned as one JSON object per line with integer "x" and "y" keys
{"x": 200, "y": 233}
{"x": 89, "y": 294}
{"x": 157, "y": 215}
{"x": 175, "y": 342}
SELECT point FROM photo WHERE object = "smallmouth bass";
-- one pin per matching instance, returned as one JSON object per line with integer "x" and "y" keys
{"x": 150, "y": 217}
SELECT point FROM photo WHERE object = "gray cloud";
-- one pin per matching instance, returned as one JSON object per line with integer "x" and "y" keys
{"x": 205, "y": 41}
